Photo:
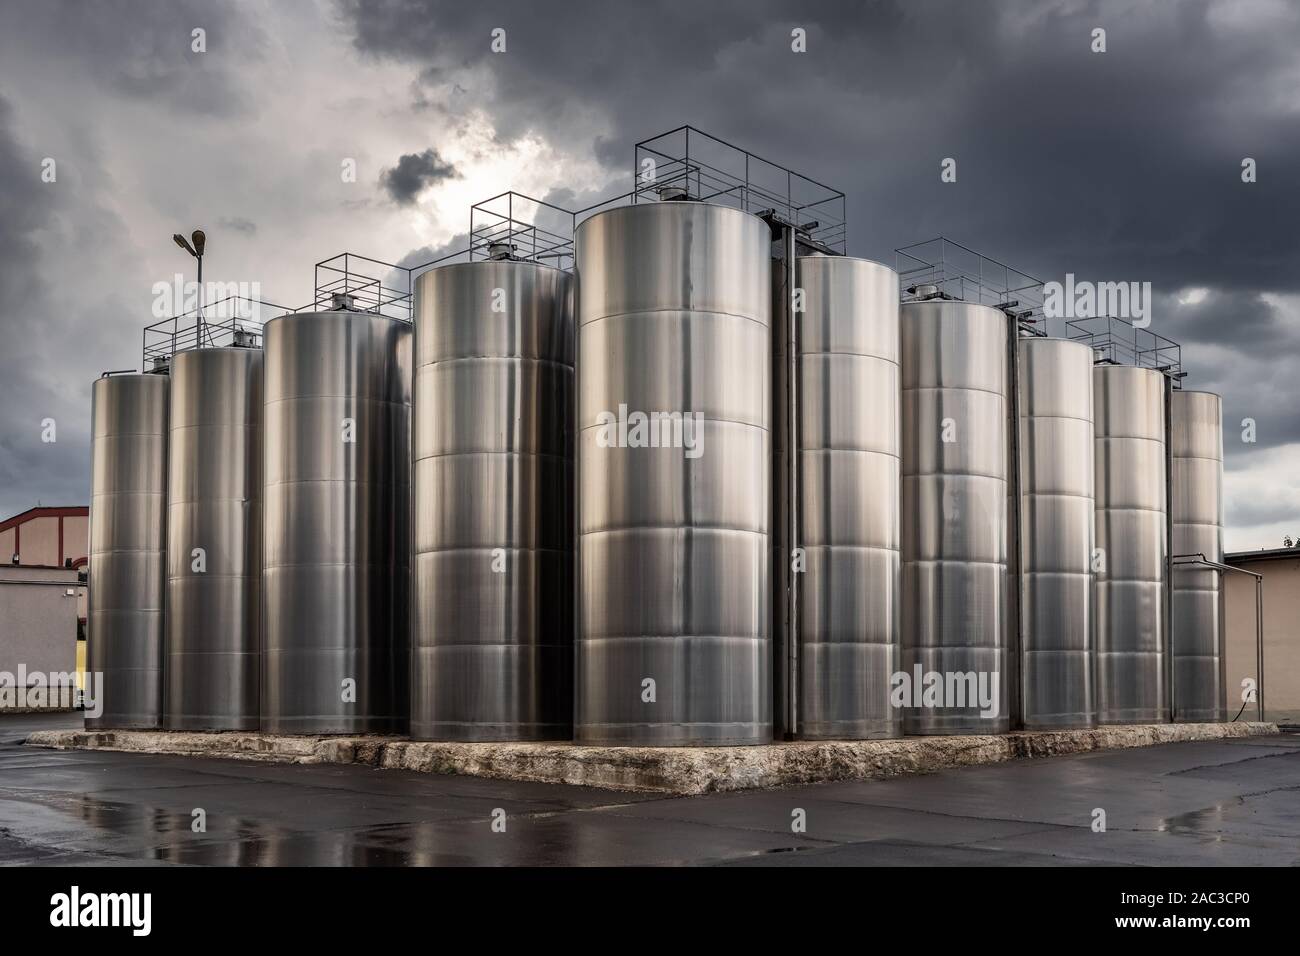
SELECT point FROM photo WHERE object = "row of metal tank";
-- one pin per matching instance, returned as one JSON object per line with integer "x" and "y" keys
{"x": 374, "y": 527}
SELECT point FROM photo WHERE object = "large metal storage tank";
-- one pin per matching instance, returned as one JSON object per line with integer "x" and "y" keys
{"x": 128, "y": 521}
{"x": 492, "y": 634}
{"x": 336, "y": 519}
{"x": 1196, "y": 634}
{"x": 674, "y": 316}
{"x": 848, "y": 630}
{"x": 1129, "y": 404}
{"x": 1057, "y": 520}
{"x": 954, "y": 521}
{"x": 214, "y": 625}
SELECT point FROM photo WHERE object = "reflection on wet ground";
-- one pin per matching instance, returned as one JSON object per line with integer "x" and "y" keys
{"x": 1211, "y": 802}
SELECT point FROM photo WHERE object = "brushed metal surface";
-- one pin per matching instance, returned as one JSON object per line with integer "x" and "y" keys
{"x": 493, "y": 448}
{"x": 1131, "y": 535}
{"x": 213, "y": 640}
{"x": 126, "y": 593}
{"x": 1057, "y": 520}
{"x": 954, "y": 495}
{"x": 336, "y": 521}
{"x": 848, "y": 620}
{"x": 674, "y": 315}
{"x": 1196, "y": 628}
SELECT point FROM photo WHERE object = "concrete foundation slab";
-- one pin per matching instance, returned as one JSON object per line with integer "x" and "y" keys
{"x": 670, "y": 770}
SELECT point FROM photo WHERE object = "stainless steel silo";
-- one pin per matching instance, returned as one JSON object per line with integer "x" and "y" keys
{"x": 954, "y": 523}
{"x": 492, "y": 629}
{"x": 214, "y": 541}
{"x": 1129, "y": 404}
{"x": 336, "y": 519}
{"x": 848, "y": 631}
{"x": 674, "y": 315}
{"x": 128, "y": 521}
{"x": 1057, "y": 522}
{"x": 1196, "y": 628}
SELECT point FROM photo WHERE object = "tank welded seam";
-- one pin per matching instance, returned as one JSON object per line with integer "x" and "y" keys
{"x": 1027, "y": 417}
{"x": 1146, "y": 438}
{"x": 973, "y": 561}
{"x": 254, "y": 426}
{"x": 954, "y": 474}
{"x": 358, "y": 399}
{"x": 840, "y": 449}
{"x": 631, "y": 528}
{"x": 611, "y": 638}
{"x": 217, "y": 499}
{"x": 350, "y": 482}
{"x": 368, "y": 566}
{"x": 478, "y": 359}
{"x": 1198, "y": 524}
{"x": 680, "y": 311}
{"x": 524, "y": 644}
{"x": 479, "y": 454}
{"x": 820, "y": 353}
{"x": 199, "y": 652}
{"x": 118, "y": 433}
{"x": 98, "y": 552}
{"x": 886, "y": 549}
{"x": 707, "y": 419}
{"x": 1059, "y": 494}
{"x": 956, "y": 388}
{"x": 214, "y": 576}
{"x": 1118, "y": 509}
{"x": 510, "y": 549}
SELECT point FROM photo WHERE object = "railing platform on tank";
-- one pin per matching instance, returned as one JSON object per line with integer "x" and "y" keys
{"x": 233, "y": 320}
{"x": 708, "y": 169}
{"x": 1116, "y": 341}
{"x": 962, "y": 274}
{"x": 372, "y": 285}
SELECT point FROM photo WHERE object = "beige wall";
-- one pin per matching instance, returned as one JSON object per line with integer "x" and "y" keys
{"x": 1281, "y": 635}
{"x": 76, "y": 536}
{"x": 40, "y": 542}
{"x": 38, "y": 539}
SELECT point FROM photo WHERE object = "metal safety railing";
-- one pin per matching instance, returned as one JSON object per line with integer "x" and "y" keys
{"x": 232, "y": 320}
{"x": 1116, "y": 341}
{"x": 943, "y": 269}
{"x": 709, "y": 169}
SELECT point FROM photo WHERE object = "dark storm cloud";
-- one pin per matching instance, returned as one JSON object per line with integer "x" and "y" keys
{"x": 1123, "y": 165}
{"x": 238, "y": 224}
{"x": 1121, "y": 162}
{"x": 30, "y": 468}
{"x": 414, "y": 173}
{"x": 144, "y": 49}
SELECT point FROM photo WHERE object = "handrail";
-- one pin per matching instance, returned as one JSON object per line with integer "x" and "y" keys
{"x": 1199, "y": 558}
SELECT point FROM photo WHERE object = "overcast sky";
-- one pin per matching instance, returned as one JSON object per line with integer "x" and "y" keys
{"x": 1122, "y": 165}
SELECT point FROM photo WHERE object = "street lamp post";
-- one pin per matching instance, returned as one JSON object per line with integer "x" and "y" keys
{"x": 196, "y": 250}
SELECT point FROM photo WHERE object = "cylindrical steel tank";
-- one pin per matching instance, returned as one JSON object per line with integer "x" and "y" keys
{"x": 848, "y": 634}
{"x": 336, "y": 520}
{"x": 1057, "y": 520}
{"x": 954, "y": 493}
{"x": 128, "y": 522}
{"x": 1196, "y": 633}
{"x": 214, "y": 541}
{"x": 492, "y": 629}
{"x": 1129, "y": 404}
{"x": 674, "y": 369}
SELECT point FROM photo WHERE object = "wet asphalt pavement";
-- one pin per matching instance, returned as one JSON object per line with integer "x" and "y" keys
{"x": 1228, "y": 802}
